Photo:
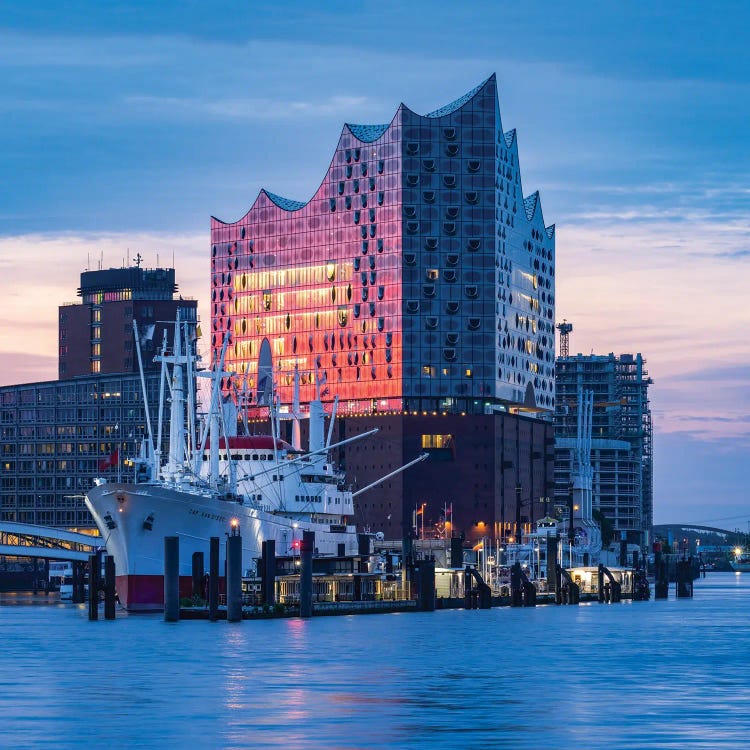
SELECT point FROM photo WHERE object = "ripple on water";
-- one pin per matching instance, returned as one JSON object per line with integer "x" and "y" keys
{"x": 654, "y": 674}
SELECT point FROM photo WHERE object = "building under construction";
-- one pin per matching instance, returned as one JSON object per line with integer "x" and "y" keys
{"x": 621, "y": 446}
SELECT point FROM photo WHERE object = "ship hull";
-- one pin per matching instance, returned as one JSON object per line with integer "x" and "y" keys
{"x": 134, "y": 519}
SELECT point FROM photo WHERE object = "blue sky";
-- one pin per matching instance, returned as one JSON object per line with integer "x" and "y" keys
{"x": 123, "y": 127}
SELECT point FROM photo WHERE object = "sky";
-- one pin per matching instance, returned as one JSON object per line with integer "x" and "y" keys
{"x": 125, "y": 126}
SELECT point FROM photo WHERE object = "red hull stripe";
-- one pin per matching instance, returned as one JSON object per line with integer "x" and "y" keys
{"x": 145, "y": 593}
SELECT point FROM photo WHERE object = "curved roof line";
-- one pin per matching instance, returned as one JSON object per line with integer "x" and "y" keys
{"x": 286, "y": 203}
{"x": 367, "y": 133}
{"x": 458, "y": 103}
{"x": 370, "y": 133}
{"x": 530, "y": 203}
{"x": 533, "y": 203}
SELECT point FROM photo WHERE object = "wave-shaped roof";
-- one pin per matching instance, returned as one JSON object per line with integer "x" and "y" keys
{"x": 286, "y": 203}
{"x": 458, "y": 103}
{"x": 367, "y": 133}
{"x": 530, "y": 203}
{"x": 370, "y": 133}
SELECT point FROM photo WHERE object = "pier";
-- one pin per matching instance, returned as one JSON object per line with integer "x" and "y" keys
{"x": 306, "y": 585}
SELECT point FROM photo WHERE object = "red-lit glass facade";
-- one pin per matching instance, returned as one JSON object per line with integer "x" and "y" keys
{"x": 321, "y": 282}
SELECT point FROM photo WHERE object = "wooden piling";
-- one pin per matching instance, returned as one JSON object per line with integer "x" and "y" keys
{"x": 109, "y": 587}
{"x": 685, "y": 579}
{"x": 552, "y": 564}
{"x": 93, "y": 587}
{"x": 198, "y": 575}
{"x": 427, "y": 585}
{"x": 268, "y": 572}
{"x": 79, "y": 595}
{"x": 306, "y": 548}
{"x": 213, "y": 579}
{"x": 661, "y": 584}
{"x": 234, "y": 578}
{"x": 516, "y": 590}
{"x": 171, "y": 578}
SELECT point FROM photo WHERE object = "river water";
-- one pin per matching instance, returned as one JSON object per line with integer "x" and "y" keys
{"x": 666, "y": 674}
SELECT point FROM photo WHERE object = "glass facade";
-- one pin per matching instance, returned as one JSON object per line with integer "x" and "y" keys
{"x": 417, "y": 276}
{"x": 56, "y": 437}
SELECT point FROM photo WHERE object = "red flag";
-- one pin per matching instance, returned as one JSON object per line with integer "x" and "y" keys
{"x": 110, "y": 461}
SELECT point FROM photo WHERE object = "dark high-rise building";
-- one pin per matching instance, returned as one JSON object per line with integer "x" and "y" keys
{"x": 97, "y": 335}
{"x": 621, "y": 446}
{"x": 417, "y": 285}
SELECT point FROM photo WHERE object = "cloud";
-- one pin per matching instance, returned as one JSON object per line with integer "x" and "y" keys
{"x": 674, "y": 291}
{"x": 28, "y": 50}
{"x": 246, "y": 108}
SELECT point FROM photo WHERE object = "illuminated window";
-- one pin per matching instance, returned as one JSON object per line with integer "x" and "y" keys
{"x": 467, "y": 372}
{"x": 266, "y": 299}
{"x": 437, "y": 441}
{"x": 428, "y": 371}
{"x": 343, "y": 316}
{"x": 432, "y": 274}
{"x": 330, "y": 271}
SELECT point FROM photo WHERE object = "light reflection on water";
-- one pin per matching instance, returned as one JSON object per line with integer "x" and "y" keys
{"x": 634, "y": 675}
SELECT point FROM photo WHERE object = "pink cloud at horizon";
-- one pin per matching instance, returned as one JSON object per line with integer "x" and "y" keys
{"x": 675, "y": 293}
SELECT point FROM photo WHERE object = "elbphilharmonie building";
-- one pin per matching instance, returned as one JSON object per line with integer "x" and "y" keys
{"x": 418, "y": 277}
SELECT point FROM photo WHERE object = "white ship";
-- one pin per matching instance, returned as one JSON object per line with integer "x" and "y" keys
{"x": 267, "y": 488}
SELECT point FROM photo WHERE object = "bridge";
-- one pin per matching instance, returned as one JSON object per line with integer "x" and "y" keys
{"x": 30, "y": 540}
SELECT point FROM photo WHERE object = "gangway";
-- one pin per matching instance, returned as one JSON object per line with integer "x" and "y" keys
{"x": 46, "y": 542}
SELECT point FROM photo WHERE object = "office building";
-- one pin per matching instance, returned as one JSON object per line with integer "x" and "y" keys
{"x": 97, "y": 336}
{"x": 57, "y": 436}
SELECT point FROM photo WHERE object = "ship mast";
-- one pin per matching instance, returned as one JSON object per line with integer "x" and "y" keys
{"x": 177, "y": 411}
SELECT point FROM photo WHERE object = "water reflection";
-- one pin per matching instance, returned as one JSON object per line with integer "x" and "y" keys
{"x": 654, "y": 674}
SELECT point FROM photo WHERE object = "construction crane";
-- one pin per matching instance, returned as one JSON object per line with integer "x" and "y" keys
{"x": 565, "y": 328}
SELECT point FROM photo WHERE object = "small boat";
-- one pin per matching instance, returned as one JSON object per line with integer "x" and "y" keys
{"x": 61, "y": 578}
{"x": 740, "y": 563}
